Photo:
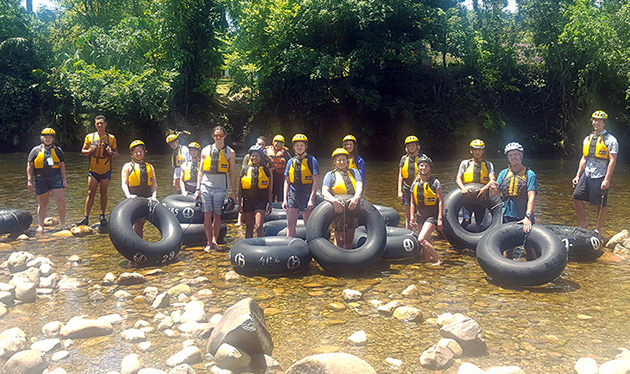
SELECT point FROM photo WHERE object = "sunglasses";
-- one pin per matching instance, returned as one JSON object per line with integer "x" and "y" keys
{"x": 219, "y": 135}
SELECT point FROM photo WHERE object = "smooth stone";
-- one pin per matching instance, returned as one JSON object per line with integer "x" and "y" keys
{"x": 166, "y": 323}
{"x": 182, "y": 369}
{"x": 162, "y": 300}
{"x": 231, "y": 358}
{"x": 58, "y": 356}
{"x": 466, "y": 330}
{"x": 393, "y": 363}
{"x": 18, "y": 261}
{"x": 23, "y": 237}
{"x": 26, "y": 292}
{"x": 188, "y": 327}
{"x": 111, "y": 318}
{"x": 57, "y": 371}
{"x": 231, "y": 275}
{"x": 144, "y": 346}
{"x": 468, "y": 368}
{"x": 408, "y": 313}
{"x": 122, "y": 295}
{"x": 50, "y": 221}
{"x": 358, "y": 338}
{"x": 336, "y": 306}
{"x": 52, "y": 329}
{"x": 389, "y": 307}
{"x": 375, "y": 303}
{"x": 68, "y": 283}
{"x": 130, "y": 364}
{"x": 109, "y": 279}
{"x": 6, "y": 287}
{"x": 75, "y": 259}
{"x": 97, "y": 297}
{"x": 62, "y": 234}
{"x": 127, "y": 279}
{"x": 436, "y": 358}
{"x": 26, "y": 362}
{"x": 331, "y": 363}
{"x": 6, "y": 298}
{"x": 30, "y": 275}
{"x": 82, "y": 327}
{"x": 45, "y": 269}
{"x": 82, "y": 230}
{"x": 12, "y": 341}
{"x": 452, "y": 345}
{"x": 351, "y": 295}
{"x": 586, "y": 365}
{"x": 615, "y": 367}
{"x": 214, "y": 369}
{"x": 618, "y": 238}
{"x": 505, "y": 370}
{"x": 140, "y": 324}
{"x": 411, "y": 291}
{"x": 194, "y": 311}
{"x": 46, "y": 345}
{"x": 180, "y": 288}
{"x": 151, "y": 371}
{"x": 50, "y": 281}
{"x": 133, "y": 335}
{"x": 189, "y": 355}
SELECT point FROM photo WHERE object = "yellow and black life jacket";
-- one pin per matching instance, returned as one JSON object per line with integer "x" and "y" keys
{"x": 409, "y": 168}
{"x": 255, "y": 178}
{"x": 423, "y": 194}
{"x": 216, "y": 162}
{"x": 514, "y": 185}
{"x": 278, "y": 159}
{"x": 190, "y": 172}
{"x": 100, "y": 159}
{"x": 43, "y": 163}
{"x": 299, "y": 172}
{"x": 141, "y": 175}
{"x": 595, "y": 147}
{"x": 344, "y": 182}
{"x": 476, "y": 172}
{"x": 352, "y": 164}
{"x": 177, "y": 159}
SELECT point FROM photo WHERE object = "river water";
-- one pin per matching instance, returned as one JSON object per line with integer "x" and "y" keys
{"x": 543, "y": 329}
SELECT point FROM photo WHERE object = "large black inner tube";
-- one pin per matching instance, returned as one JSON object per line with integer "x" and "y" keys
{"x": 194, "y": 233}
{"x": 185, "y": 208}
{"x": 335, "y": 259}
{"x": 270, "y": 256}
{"x": 390, "y": 215}
{"x": 551, "y": 261}
{"x": 14, "y": 221}
{"x": 469, "y": 237}
{"x": 401, "y": 243}
{"x": 581, "y": 244}
{"x": 134, "y": 248}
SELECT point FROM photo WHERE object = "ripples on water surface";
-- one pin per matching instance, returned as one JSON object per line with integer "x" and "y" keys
{"x": 537, "y": 329}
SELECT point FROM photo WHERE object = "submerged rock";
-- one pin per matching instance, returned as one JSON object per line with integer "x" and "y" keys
{"x": 358, "y": 338}
{"x": 586, "y": 365}
{"x": 127, "y": 279}
{"x": 231, "y": 358}
{"x": 351, "y": 295}
{"x": 331, "y": 363}
{"x": 130, "y": 364}
{"x": 82, "y": 327}
{"x": 18, "y": 261}
{"x": 26, "y": 362}
{"x": 11, "y": 341}
{"x": 436, "y": 358}
{"x": 189, "y": 355}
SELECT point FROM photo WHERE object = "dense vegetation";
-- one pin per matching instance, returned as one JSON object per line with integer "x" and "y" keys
{"x": 378, "y": 69}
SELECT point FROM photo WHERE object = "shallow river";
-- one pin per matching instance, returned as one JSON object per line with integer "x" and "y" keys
{"x": 543, "y": 329}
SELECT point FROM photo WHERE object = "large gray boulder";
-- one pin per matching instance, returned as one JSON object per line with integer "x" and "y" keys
{"x": 26, "y": 362}
{"x": 331, "y": 363}
{"x": 12, "y": 341}
{"x": 242, "y": 326}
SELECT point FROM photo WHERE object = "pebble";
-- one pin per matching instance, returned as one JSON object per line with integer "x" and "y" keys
{"x": 127, "y": 279}
{"x": 130, "y": 364}
{"x": 122, "y": 295}
{"x": 57, "y": 371}
{"x": 189, "y": 355}
{"x": 58, "y": 356}
{"x": 407, "y": 313}
{"x": 389, "y": 307}
{"x": 180, "y": 288}
{"x": 505, "y": 370}
{"x": 358, "y": 338}
{"x": 144, "y": 346}
{"x": 133, "y": 335}
{"x": 109, "y": 279}
{"x": 351, "y": 295}
{"x": 468, "y": 368}
{"x": 231, "y": 275}
{"x": 615, "y": 367}
{"x": 393, "y": 363}
{"x": 11, "y": 341}
{"x": 586, "y": 365}
{"x": 51, "y": 329}
{"x": 46, "y": 345}
{"x": 231, "y": 358}
{"x": 112, "y": 318}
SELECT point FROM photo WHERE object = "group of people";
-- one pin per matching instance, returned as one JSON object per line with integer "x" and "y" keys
{"x": 269, "y": 174}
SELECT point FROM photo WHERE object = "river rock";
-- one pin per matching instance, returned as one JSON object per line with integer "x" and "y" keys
{"x": 166, "y": 323}
{"x": 331, "y": 363}
{"x": 505, "y": 370}
{"x": 466, "y": 333}
{"x": 411, "y": 291}
{"x": 46, "y": 345}
{"x": 127, "y": 279}
{"x": 586, "y": 365}
{"x": 358, "y": 338}
{"x": 52, "y": 329}
{"x": 130, "y": 364}
{"x": 122, "y": 295}
{"x": 188, "y": 327}
{"x": 180, "y": 288}
{"x": 618, "y": 238}
{"x": 6, "y": 287}
{"x": 57, "y": 371}
{"x": 393, "y": 363}
{"x": 408, "y": 313}
{"x": 231, "y": 275}
{"x": 193, "y": 311}
{"x": 468, "y": 368}
{"x": 231, "y": 358}
{"x": 82, "y": 327}
{"x": 436, "y": 358}
{"x": 111, "y": 318}
{"x": 37, "y": 262}
{"x": 151, "y": 371}
{"x": 26, "y": 292}
{"x": 6, "y": 297}
{"x": 18, "y": 261}
{"x": 374, "y": 303}
{"x": 62, "y": 234}
{"x": 242, "y": 326}
{"x": 349, "y": 295}
{"x": 82, "y": 230}
{"x": 58, "y": 356}
{"x": 448, "y": 318}
{"x": 615, "y": 367}
{"x": 50, "y": 281}
{"x": 133, "y": 335}
{"x": 26, "y": 362}
{"x": 50, "y": 221}
{"x": 182, "y": 369}
{"x": 452, "y": 345}
{"x": 11, "y": 341}
{"x": 622, "y": 251}
{"x": 189, "y": 355}
{"x": 389, "y": 308}
{"x": 3, "y": 309}
{"x": 30, "y": 275}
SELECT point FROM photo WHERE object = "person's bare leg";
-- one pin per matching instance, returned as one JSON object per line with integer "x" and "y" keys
{"x": 580, "y": 212}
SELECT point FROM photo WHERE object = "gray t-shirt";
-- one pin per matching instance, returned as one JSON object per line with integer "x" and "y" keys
{"x": 597, "y": 167}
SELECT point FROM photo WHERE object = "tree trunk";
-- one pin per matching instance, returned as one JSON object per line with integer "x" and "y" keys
{"x": 29, "y": 6}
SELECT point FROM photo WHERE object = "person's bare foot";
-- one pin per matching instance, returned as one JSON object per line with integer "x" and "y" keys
{"x": 207, "y": 248}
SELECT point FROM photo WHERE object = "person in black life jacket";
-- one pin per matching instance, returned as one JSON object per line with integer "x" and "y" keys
{"x": 517, "y": 185}
{"x": 138, "y": 179}
{"x": 427, "y": 208}
{"x": 300, "y": 184}
{"x": 254, "y": 193}
{"x": 46, "y": 174}
{"x": 343, "y": 180}
{"x": 596, "y": 167}
{"x": 216, "y": 163}
{"x": 179, "y": 156}
{"x": 261, "y": 142}
{"x": 475, "y": 170}
{"x": 101, "y": 147}
{"x": 190, "y": 170}
{"x": 279, "y": 156}
{"x": 407, "y": 171}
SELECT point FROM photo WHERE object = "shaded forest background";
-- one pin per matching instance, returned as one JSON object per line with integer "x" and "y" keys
{"x": 378, "y": 69}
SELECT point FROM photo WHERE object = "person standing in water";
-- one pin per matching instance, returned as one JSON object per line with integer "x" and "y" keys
{"x": 407, "y": 171}
{"x": 179, "y": 156}
{"x": 190, "y": 170}
{"x": 427, "y": 208}
{"x": 279, "y": 156}
{"x": 138, "y": 179}
{"x": 355, "y": 161}
{"x": 254, "y": 194}
{"x": 475, "y": 170}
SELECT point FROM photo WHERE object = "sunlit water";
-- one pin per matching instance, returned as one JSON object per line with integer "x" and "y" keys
{"x": 537, "y": 329}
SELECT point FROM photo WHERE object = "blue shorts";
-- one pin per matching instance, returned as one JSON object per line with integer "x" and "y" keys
{"x": 406, "y": 191}
{"x": 298, "y": 199}
{"x": 100, "y": 177}
{"x": 212, "y": 199}
{"x": 45, "y": 184}
{"x": 590, "y": 189}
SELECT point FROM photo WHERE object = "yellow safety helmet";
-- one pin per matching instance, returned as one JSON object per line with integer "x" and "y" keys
{"x": 48, "y": 131}
{"x": 600, "y": 114}
{"x": 340, "y": 151}
{"x": 136, "y": 143}
{"x": 477, "y": 143}
{"x": 412, "y": 139}
{"x": 278, "y": 138}
{"x": 349, "y": 137}
{"x": 171, "y": 138}
{"x": 194, "y": 145}
{"x": 299, "y": 138}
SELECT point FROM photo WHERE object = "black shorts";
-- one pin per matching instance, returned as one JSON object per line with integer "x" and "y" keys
{"x": 406, "y": 192}
{"x": 255, "y": 202}
{"x": 299, "y": 198}
{"x": 45, "y": 184}
{"x": 589, "y": 189}
{"x": 100, "y": 177}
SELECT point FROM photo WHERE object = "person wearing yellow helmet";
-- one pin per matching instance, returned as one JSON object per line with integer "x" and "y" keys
{"x": 475, "y": 170}
{"x": 301, "y": 178}
{"x": 427, "y": 208}
{"x": 407, "y": 171}
{"x": 261, "y": 142}
{"x": 190, "y": 170}
{"x": 254, "y": 193}
{"x": 343, "y": 180}
{"x": 100, "y": 147}
{"x": 217, "y": 162}
{"x": 279, "y": 156}
{"x": 596, "y": 167}
{"x": 138, "y": 178}
{"x": 46, "y": 174}
{"x": 355, "y": 161}
{"x": 179, "y": 156}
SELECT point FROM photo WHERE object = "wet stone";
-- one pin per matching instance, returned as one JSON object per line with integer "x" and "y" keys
{"x": 351, "y": 295}
{"x": 468, "y": 368}
{"x": 358, "y": 338}
{"x": 30, "y": 361}
{"x": 407, "y": 313}
{"x": 18, "y": 261}
{"x": 46, "y": 345}
{"x": 51, "y": 329}
{"x": 231, "y": 358}
{"x": 189, "y": 355}
{"x": 178, "y": 289}
{"x": 58, "y": 356}
{"x": 505, "y": 370}
{"x": 130, "y": 364}
{"x": 331, "y": 363}
{"x": 11, "y": 341}
{"x": 162, "y": 300}
{"x": 389, "y": 307}
{"x": 133, "y": 335}
{"x": 436, "y": 357}
{"x": 109, "y": 279}
{"x": 127, "y": 279}
{"x": 393, "y": 363}
{"x": 82, "y": 327}
{"x": 615, "y": 367}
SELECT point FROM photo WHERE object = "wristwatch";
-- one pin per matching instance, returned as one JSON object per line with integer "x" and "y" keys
{"x": 528, "y": 216}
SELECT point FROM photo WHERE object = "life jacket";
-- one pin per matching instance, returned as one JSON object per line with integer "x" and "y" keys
{"x": 43, "y": 164}
{"x": 278, "y": 159}
{"x": 255, "y": 177}
{"x": 409, "y": 169}
{"x": 141, "y": 175}
{"x": 216, "y": 162}
{"x": 595, "y": 147}
{"x": 514, "y": 185}
{"x": 299, "y": 172}
{"x": 344, "y": 182}
{"x": 352, "y": 164}
{"x": 422, "y": 193}
{"x": 476, "y": 172}
{"x": 177, "y": 159}
{"x": 99, "y": 158}
{"x": 190, "y": 172}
